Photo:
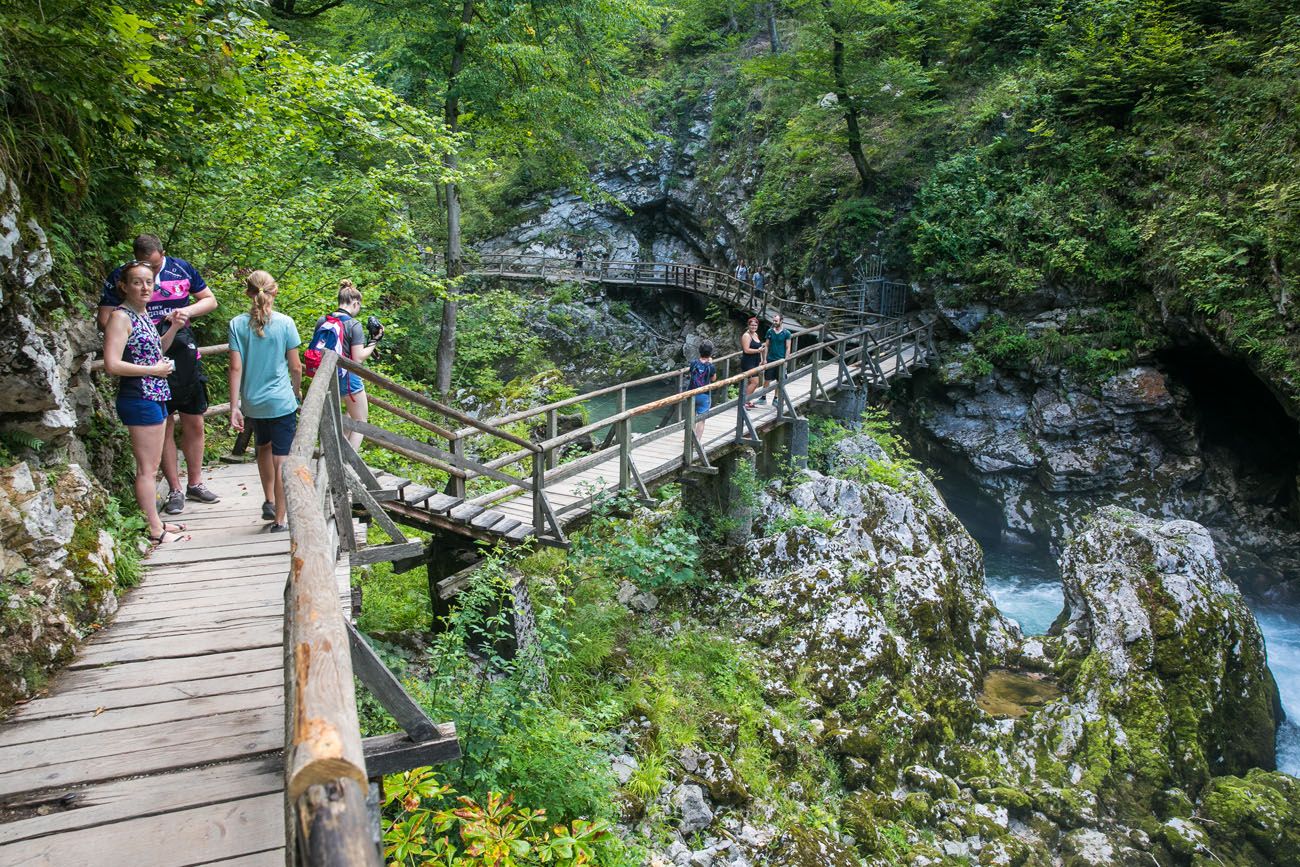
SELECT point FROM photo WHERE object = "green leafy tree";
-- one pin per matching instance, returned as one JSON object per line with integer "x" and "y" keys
{"x": 542, "y": 85}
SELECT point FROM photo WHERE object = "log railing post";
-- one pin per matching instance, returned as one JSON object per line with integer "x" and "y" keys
{"x": 688, "y": 434}
{"x": 624, "y": 454}
{"x": 327, "y": 823}
{"x": 539, "y": 492}
{"x": 456, "y": 484}
{"x": 331, "y": 436}
{"x": 552, "y": 431}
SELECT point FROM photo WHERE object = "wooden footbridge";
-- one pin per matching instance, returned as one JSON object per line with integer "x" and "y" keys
{"x": 215, "y": 722}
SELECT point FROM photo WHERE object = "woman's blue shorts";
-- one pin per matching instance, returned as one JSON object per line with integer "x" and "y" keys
{"x": 702, "y": 403}
{"x": 138, "y": 412}
{"x": 350, "y": 383}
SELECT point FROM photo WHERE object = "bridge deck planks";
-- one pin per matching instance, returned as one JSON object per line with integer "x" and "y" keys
{"x": 160, "y": 743}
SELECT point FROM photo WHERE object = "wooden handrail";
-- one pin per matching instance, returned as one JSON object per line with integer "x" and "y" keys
{"x": 524, "y": 414}
{"x": 97, "y": 364}
{"x": 325, "y": 778}
{"x": 431, "y": 404}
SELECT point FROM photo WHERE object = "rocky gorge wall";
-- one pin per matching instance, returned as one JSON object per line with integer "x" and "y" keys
{"x": 1044, "y": 446}
{"x": 60, "y": 562}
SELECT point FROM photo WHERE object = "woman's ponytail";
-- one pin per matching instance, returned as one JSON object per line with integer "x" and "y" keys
{"x": 260, "y": 287}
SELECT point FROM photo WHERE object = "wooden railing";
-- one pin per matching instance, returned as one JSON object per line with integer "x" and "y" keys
{"x": 327, "y": 763}
{"x": 535, "y": 463}
{"x": 699, "y": 279}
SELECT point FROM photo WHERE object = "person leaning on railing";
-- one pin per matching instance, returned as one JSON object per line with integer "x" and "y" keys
{"x": 266, "y": 387}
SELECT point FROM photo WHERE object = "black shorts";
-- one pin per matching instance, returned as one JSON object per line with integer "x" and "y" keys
{"x": 772, "y": 372}
{"x": 278, "y": 432}
{"x": 188, "y": 382}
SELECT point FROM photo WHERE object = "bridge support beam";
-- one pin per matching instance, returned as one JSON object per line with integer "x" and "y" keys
{"x": 785, "y": 447}
{"x": 850, "y": 404}
{"x": 446, "y": 555}
{"x": 726, "y": 502}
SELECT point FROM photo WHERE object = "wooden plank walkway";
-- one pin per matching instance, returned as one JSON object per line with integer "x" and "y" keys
{"x": 657, "y": 457}
{"x": 161, "y": 743}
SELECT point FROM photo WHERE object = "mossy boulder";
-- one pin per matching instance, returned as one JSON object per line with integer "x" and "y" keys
{"x": 1165, "y": 651}
{"x": 810, "y": 847}
{"x": 1253, "y": 819}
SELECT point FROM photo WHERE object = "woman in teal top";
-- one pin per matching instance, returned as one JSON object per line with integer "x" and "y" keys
{"x": 265, "y": 386}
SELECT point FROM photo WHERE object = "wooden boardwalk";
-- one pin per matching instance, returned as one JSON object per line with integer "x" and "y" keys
{"x": 507, "y": 513}
{"x": 161, "y": 743}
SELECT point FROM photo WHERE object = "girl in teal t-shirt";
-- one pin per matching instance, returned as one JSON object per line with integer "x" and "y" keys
{"x": 265, "y": 385}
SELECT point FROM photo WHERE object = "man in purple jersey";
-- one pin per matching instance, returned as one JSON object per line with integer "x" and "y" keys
{"x": 177, "y": 285}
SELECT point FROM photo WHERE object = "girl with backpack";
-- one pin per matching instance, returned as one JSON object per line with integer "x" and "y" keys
{"x": 700, "y": 373}
{"x": 265, "y": 386}
{"x": 133, "y": 350}
{"x": 341, "y": 331}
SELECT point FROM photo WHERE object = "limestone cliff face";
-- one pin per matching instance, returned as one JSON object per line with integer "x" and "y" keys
{"x": 657, "y": 209}
{"x": 59, "y": 565}
{"x": 44, "y": 393}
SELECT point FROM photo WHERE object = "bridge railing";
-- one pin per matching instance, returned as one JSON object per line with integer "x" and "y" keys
{"x": 328, "y": 765}
{"x": 869, "y": 355}
{"x": 325, "y": 767}
{"x": 699, "y": 279}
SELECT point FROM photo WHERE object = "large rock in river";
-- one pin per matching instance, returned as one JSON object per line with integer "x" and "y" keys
{"x": 1167, "y": 645}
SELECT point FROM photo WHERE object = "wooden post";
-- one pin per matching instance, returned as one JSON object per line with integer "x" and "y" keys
{"x": 624, "y": 454}
{"x": 539, "y": 486}
{"x": 688, "y": 453}
{"x": 331, "y": 436}
{"x": 456, "y": 484}
{"x": 552, "y": 430}
{"x": 333, "y": 826}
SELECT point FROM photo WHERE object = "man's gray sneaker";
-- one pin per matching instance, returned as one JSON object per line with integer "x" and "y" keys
{"x": 175, "y": 503}
{"x": 201, "y": 493}
{"x": 268, "y": 511}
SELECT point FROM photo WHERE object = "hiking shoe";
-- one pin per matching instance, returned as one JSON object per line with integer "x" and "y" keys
{"x": 201, "y": 493}
{"x": 175, "y": 503}
{"x": 277, "y": 528}
{"x": 762, "y": 400}
{"x": 268, "y": 511}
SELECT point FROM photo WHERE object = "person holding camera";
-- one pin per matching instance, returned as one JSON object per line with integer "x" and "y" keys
{"x": 357, "y": 344}
{"x": 134, "y": 351}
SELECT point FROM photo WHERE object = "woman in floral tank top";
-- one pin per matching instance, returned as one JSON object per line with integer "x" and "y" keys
{"x": 133, "y": 350}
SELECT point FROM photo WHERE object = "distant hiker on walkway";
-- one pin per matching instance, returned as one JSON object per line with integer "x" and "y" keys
{"x": 578, "y": 260}
{"x": 742, "y": 272}
{"x": 176, "y": 286}
{"x": 265, "y": 386}
{"x": 133, "y": 350}
{"x": 777, "y": 343}
{"x": 753, "y": 350}
{"x": 341, "y": 331}
{"x": 760, "y": 279}
{"x": 700, "y": 373}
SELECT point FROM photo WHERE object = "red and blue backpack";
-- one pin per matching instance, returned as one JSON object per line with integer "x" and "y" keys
{"x": 330, "y": 334}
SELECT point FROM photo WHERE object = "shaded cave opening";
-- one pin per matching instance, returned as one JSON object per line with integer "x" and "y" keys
{"x": 1241, "y": 422}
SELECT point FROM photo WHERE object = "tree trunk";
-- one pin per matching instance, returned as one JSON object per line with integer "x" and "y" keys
{"x": 455, "y": 252}
{"x": 773, "y": 37}
{"x": 849, "y": 105}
